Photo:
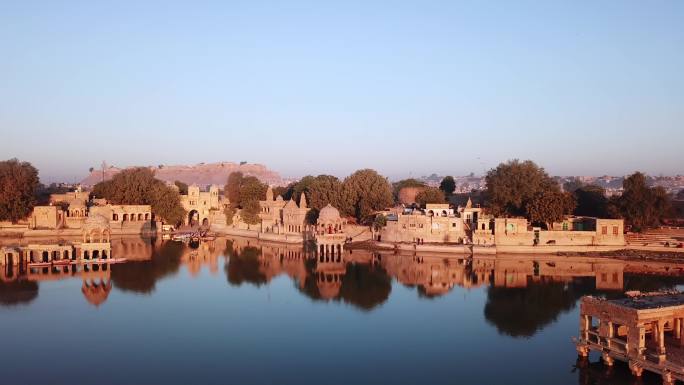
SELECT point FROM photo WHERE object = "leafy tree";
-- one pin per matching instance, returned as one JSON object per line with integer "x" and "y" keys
{"x": 312, "y": 216}
{"x": 295, "y": 190}
{"x": 411, "y": 182}
{"x": 511, "y": 186}
{"x": 592, "y": 202}
{"x": 91, "y": 169}
{"x": 448, "y": 185}
{"x": 250, "y": 212}
{"x": 430, "y": 195}
{"x": 365, "y": 192}
{"x": 279, "y": 191}
{"x": 549, "y": 206}
{"x": 379, "y": 222}
{"x": 18, "y": 184}
{"x": 138, "y": 186}
{"x": 643, "y": 206}
{"x": 324, "y": 190}
{"x": 182, "y": 187}
{"x": 232, "y": 188}
{"x": 229, "y": 211}
{"x": 251, "y": 189}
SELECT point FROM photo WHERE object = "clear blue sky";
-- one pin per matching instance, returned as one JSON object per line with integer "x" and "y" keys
{"x": 581, "y": 87}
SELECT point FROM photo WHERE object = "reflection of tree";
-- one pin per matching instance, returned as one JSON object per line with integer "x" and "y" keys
{"x": 362, "y": 286}
{"x": 142, "y": 276}
{"x": 646, "y": 283}
{"x": 244, "y": 267}
{"x": 521, "y": 312}
{"x": 17, "y": 292}
{"x": 365, "y": 287}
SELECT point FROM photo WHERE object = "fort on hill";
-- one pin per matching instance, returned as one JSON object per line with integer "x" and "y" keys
{"x": 202, "y": 174}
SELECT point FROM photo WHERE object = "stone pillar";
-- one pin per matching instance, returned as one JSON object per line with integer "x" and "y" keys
{"x": 661, "y": 340}
{"x": 677, "y": 328}
{"x": 585, "y": 324}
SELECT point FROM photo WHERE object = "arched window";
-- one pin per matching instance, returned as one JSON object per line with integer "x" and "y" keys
{"x": 125, "y": 217}
{"x": 115, "y": 217}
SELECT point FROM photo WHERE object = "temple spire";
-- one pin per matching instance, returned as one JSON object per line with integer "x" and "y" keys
{"x": 302, "y": 201}
{"x": 269, "y": 194}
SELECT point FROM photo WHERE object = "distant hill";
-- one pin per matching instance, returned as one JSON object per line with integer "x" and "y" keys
{"x": 202, "y": 174}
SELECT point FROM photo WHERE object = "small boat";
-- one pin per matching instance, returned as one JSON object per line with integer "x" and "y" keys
{"x": 39, "y": 264}
{"x": 62, "y": 262}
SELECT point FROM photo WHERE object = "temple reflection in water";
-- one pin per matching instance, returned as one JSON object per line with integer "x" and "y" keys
{"x": 359, "y": 277}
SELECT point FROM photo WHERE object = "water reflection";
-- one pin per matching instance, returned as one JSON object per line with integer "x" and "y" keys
{"x": 515, "y": 297}
{"x": 524, "y": 294}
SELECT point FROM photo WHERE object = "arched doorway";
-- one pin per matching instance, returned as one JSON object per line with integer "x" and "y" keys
{"x": 193, "y": 218}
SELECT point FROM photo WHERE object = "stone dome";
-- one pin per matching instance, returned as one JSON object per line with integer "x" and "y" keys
{"x": 96, "y": 221}
{"x": 329, "y": 214}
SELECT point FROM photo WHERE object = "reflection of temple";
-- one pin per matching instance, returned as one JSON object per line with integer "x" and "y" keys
{"x": 516, "y": 271}
{"x": 273, "y": 258}
{"x": 96, "y": 278}
{"x": 434, "y": 275}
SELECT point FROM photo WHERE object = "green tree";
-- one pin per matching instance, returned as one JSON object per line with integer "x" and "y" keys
{"x": 643, "y": 206}
{"x": 229, "y": 212}
{"x": 279, "y": 191}
{"x": 430, "y": 195}
{"x": 411, "y": 182}
{"x": 18, "y": 184}
{"x": 379, "y": 222}
{"x": 324, "y": 190}
{"x": 365, "y": 192}
{"x": 512, "y": 186}
{"x": 549, "y": 206}
{"x": 294, "y": 190}
{"x": 448, "y": 185}
{"x": 138, "y": 186}
{"x": 251, "y": 189}
{"x": 182, "y": 187}
{"x": 232, "y": 188}
{"x": 312, "y": 216}
{"x": 250, "y": 212}
{"x": 592, "y": 202}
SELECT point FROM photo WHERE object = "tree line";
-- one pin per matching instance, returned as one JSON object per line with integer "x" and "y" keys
{"x": 513, "y": 188}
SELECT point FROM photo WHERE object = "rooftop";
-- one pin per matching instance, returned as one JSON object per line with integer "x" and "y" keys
{"x": 651, "y": 301}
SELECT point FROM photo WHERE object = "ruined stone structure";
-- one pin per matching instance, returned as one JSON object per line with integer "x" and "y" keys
{"x": 646, "y": 331}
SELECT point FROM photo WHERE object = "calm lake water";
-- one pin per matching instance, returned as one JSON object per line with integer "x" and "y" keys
{"x": 236, "y": 311}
